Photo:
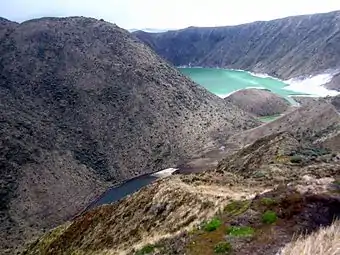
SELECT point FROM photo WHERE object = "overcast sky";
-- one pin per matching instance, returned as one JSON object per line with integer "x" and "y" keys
{"x": 166, "y": 13}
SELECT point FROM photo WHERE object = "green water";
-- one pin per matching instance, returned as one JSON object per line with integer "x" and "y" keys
{"x": 269, "y": 118}
{"x": 223, "y": 82}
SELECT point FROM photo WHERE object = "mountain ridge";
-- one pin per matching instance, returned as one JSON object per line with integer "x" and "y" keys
{"x": 307, "y": 46}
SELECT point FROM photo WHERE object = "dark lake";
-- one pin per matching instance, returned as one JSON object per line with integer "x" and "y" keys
{"x": 116, "y": 193}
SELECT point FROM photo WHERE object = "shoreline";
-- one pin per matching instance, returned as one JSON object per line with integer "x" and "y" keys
{"x": 301, "y": 84}
{"x": 157, "y": 175}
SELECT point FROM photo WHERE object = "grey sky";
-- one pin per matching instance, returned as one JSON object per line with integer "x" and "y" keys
{"x": 164, "y": 13}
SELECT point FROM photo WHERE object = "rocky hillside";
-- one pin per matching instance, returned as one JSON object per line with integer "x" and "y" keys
{"x": 6, "y": 27}
{"x": 254, "y": 202}
{"x": 334, "y": 84}
{"x": 259, "y": 102}
{"x": 336, "y": 102}
{"x": 283, "y": 181}
{"x": 85, "y": 105}
{"x": 284, "y": 48}
{"x": 314, "y": 121}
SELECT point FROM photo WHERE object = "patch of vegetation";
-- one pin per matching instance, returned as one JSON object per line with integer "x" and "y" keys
{"x": 269, "y": 217}
{"x": 282, "y": 159}
{"x": 42, "y": 245}
{"x": 259, "y": 175}
{"x": 314, "y": 152}
{"x": 296, "y": 159}
{"x": 222, "y": 248}
{"x": 337, "y": 182}
{"x": 237, "y": 207}
{"x": 212, "y": 225}
{"x": 336, "y": 186}
{"x": 240, "y": 231}
{"x": 267, "y": 201}
{"x": 147, "y": 249}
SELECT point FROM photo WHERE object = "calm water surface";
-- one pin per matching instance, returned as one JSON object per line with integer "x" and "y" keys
{"x": 222, "y": 82}
{"x": 114, "y": 194}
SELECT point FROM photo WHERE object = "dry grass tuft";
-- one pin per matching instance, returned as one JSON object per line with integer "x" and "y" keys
{"x": 326, "y": 241}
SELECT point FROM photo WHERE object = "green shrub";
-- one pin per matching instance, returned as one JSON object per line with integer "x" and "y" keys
{"x": 223, "y": 247}
{"x": 147, "y": 249}
{"x": 237, "y": 207}
{"x": 242, "y": 231}
{"x": 212, "y": 225}
{"x": 337, "y": 182}
{"x": 268, "y": 201}
{"x": 269, "y": 217}
{"x": 296, "y": 159}
{"x": 259, "y": 175}
{"x": 322, "y": 151}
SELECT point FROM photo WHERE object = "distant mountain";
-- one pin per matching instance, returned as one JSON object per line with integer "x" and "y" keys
{"x": 85, "y": 105}
{"x": 284, "y": 48}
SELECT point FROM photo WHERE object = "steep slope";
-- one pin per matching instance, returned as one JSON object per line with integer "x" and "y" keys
{"x": 317, "y": 120}
{"x": 313, "y": 122}
{"x": 84, "y": 105}
{"x": 325, "y": 241}
{"x": 258, "y": 102}
{"x": 171, "y": 215}
{"x": 284, "y": 48}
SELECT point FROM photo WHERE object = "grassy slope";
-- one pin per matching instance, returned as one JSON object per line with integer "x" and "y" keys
{"x": 325, "y": 241}
{"x": 171, "y": 222}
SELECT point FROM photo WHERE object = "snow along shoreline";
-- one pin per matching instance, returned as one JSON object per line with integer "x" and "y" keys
{"x": 311, "y": 86}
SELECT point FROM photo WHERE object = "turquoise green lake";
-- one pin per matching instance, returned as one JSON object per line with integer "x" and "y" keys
{"x": 222, "y": 82}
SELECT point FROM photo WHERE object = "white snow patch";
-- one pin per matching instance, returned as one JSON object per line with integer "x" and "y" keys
{"x": 164, "y": 173}
{"x": 312, "y": 85}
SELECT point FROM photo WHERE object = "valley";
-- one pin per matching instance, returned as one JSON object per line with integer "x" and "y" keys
{"x": 114, "y": 143}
